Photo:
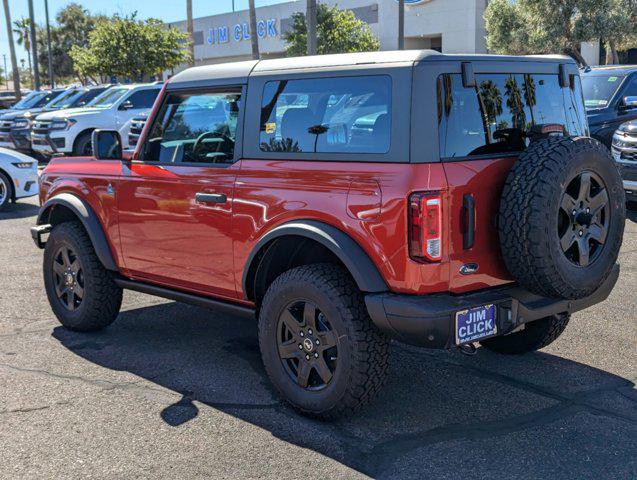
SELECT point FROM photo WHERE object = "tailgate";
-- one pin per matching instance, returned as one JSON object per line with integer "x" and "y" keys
{"x": 479, "y": 182}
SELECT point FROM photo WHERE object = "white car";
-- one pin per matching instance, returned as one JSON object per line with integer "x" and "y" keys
{"x": 18, "y": 176}
{"x": 69, "y": 131}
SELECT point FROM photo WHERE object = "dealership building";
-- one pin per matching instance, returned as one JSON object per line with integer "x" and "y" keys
{"x": 450, "y": 26}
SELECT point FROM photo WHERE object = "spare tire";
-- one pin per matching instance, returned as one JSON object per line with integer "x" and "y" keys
{"x": 562, "y": 215}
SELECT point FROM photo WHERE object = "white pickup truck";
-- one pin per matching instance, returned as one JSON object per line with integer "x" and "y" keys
{"x": 69, "y": 131}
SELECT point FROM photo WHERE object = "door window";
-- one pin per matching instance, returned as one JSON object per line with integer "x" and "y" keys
{"x": 195, "y": 128}
{"x": 336, "y": 115}
{"x": 143, "y": 98}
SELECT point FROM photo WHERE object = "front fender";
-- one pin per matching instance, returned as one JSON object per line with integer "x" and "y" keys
{"x": 89, "y": 219}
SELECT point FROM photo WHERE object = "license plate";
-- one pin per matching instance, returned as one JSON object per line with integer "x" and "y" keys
{"x": 475, "y": 323}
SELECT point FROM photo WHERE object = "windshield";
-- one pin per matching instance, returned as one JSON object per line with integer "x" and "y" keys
{"x": 599, "y": 89}
{"x": 108, "y": 98}
{"x": 29, "y": 101}
{"x": 65, "y": 99}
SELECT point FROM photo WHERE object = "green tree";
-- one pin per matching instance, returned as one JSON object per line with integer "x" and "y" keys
{"x": 556, "y": 26}
{"x": 130, "y": 48}
{"x": 338, "y": 31}
{"x": 73, "y": 25}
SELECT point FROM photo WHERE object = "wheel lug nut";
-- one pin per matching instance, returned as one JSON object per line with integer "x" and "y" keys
{"x": 302, "y": 334}
{"x": 581, "y": 233}
{"x": 315, "y": 355}
{"x": 307, "y": 357}
{"x": 588, "y": 210}
{"x": 309, "y": 331}
{"x": 574, "y": 212}
{"x": 300, "y": 347}
{"x": 317, "y": 342}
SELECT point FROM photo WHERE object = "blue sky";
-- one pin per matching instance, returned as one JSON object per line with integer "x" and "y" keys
{"x": 167, "y": 10}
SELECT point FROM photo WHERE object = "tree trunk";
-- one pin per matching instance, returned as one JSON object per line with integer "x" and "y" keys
{"x": 311, "y": 21}
{"x": 34, "y": 48}
{"x": 401, "y": 24}
{"x": 613, "y": 49}
{"x": 190, "y": 27}
{"x": 254, "y": 35}
{"x": 574, "y": 52}
{"x": 611, "y": 53}
{"x": 14, "y": 61}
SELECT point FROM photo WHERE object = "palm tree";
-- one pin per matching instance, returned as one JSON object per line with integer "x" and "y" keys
{"x": 254, "y": 37}
{"x": 515, "y": 103}
{"x": 23, "y": 30}
{"x": 491, "y": 105}
{"x": 529, "y": 94}
{"x": 14, "y": 61}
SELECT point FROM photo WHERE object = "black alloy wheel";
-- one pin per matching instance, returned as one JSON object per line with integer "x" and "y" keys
{"x": 584, "y": 219}
{"x": 307, "y": 345}
{"x": 68, "y": 278}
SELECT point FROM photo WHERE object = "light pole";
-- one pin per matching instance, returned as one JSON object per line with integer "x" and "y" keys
{"x": 34, "y": 49}
{"x": 310, "y": 21}
{"x": 48, "y": 39}
{"x": 401, "y": 24}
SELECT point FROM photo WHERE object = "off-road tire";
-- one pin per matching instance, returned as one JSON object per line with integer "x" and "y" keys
{"x": 8, "y": 185}
{"x": 81, "y": 143}
{"x": 535, "y": 336}
{"x": 529, "y": 215}
{"x": 102, "y": 297}
{"x": 363, "y": 351}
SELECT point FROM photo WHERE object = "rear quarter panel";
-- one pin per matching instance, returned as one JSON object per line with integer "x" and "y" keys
{"x": 269, "y": 193}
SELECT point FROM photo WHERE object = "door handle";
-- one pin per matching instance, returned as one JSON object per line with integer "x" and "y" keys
{"x": 469, "y": 227}
{"x": 210, "y": 198}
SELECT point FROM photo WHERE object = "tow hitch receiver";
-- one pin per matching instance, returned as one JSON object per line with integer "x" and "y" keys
{"x": 38, "y": 231}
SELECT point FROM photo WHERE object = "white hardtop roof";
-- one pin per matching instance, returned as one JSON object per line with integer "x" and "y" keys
{"x": 239, "y": 70}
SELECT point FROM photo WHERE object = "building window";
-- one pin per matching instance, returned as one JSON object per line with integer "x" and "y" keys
{"x": 327, "y": 115}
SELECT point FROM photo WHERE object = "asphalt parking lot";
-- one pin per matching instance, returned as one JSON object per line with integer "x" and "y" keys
{"x": 175, "y": 391}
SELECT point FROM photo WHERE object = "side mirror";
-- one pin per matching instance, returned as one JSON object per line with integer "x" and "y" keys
{"x": 127, "y": 105}
{"x": 628, "y": 103}
{"x": 107, "y": 145}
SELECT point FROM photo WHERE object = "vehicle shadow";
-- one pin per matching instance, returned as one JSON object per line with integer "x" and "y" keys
{"x": 435, "y": 406}
{"x": 19, "y": 210}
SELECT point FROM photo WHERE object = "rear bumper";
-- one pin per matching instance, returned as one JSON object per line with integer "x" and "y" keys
{"x": 429, "y": 320}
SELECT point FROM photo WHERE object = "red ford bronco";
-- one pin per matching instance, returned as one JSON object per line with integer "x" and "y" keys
{"x": 345, "y": 200}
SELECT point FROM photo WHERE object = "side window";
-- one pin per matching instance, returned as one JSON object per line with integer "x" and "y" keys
{"x": 327, "y": 115}
{"x": 503, "y": 111}
{"x": 631, "y": 89}
{"x": 143, "y": 98}
{"x": 195, "y": 128}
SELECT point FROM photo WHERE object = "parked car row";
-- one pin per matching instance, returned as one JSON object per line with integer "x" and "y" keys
{"x": 61, "y": 121}
{"x": 610, "y": 97}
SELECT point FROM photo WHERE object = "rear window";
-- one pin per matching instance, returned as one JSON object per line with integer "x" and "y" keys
{"x": 327, "y": 115}
{"x": 500, "y": 113}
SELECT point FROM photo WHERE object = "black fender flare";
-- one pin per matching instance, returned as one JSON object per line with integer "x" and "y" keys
{"x": 87, "y": 216}
{"x": 350, "y": 253}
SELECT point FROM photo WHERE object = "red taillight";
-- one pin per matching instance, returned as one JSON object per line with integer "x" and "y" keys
{"x": 425, "y": 226}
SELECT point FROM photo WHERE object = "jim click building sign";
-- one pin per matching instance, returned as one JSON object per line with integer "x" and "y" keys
{"x": 241, "y": 31}
{"x": 451, "y": 26}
